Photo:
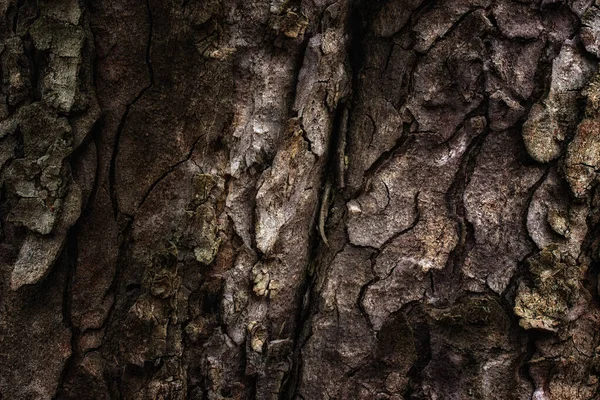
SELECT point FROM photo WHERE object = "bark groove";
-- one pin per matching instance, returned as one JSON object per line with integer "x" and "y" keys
{"x": 306, "y": 199}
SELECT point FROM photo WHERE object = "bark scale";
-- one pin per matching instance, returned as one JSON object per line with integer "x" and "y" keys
{"x": 313, "y": 199}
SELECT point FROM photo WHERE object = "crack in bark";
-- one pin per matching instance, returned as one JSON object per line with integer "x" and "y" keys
{"x": 306, "y": 313}
{"x": 312, "y": 286}
{"x": 412, "y": 225}
{"x": 70, "y": 255}
{"x": 401, "y": 145}
{"x": 452, "y": 28}
{"x": 456, "y": 207}
{"x": 361, "y": 297}
{"x": 530, "y": 196}
{"x": 117, "y": 140}
{"x": 168, "y": 172}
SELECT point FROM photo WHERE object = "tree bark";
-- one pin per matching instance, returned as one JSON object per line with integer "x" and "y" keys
{"x": 316, "y": 199}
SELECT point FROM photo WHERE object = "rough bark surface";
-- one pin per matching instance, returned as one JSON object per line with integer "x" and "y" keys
{"x": 299, "y": 199}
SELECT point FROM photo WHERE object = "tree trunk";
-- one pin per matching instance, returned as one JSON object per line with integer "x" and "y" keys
{"x": 241, "y": 199}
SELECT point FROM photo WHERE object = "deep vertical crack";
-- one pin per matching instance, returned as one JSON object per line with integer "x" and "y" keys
{"x": 307, "y": 294}
{"x": 356, "y": 29}
{"x": 70, "y": 259}
{"x": 456, "y": 209}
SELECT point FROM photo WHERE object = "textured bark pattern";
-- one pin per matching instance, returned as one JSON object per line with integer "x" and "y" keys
{"x": 242, "y": 199}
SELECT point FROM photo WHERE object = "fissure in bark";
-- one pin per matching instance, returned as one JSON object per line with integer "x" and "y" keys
{"x": 227, "y": 199}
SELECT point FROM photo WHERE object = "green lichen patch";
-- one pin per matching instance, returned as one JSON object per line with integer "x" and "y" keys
{"x": 555, "y": 289}
{"x": 203, "y": 185}
{"x": 592, "y": 93}
{"x": 164, "y": 284}
{"x": 559, "y": 222}
{"x": 542, "y": 134}
{"x": 291, "y": 24}
{"x": 162, "y": 277}
{"x": 263, "y": 284}
{"x": 583, "y": 158}
{"x": 205, "y": 255}
{"x": 258, "y": 336}
{"x": 207, "y": 242}
{"x": 197, "y": 330}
